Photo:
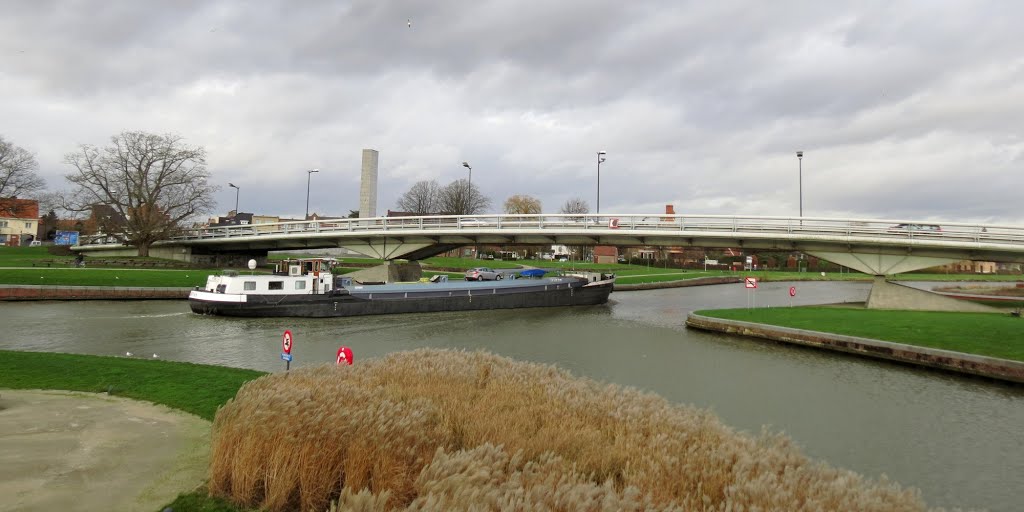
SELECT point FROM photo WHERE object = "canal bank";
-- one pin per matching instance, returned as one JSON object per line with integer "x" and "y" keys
{"x": 959, "y": 362}
{"x": 698, "y": 281}
{"x": 29, "y": 292}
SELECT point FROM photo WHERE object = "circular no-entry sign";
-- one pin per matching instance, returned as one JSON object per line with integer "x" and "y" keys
{"x": 792, "y": 291}
{"x": 344, "y": 356}
{"x": 286, "y": 342}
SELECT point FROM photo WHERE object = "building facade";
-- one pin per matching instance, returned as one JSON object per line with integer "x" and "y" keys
{"x": 19, "y": 221}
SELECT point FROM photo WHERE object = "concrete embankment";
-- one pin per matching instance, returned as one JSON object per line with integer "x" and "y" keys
{"x": 991, "y": 367}
{"x": 698, "y": 281}
{"x": 28, "y": 292}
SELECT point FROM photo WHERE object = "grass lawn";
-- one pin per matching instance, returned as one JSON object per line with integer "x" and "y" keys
{"x": 26, "y": 256}
{"x": 105, "y": 277}
{"x": 193, "y": 388}
{"x": 987, "y": 334}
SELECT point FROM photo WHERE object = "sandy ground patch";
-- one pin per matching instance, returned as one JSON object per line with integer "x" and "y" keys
{"x": 63, "y": 450}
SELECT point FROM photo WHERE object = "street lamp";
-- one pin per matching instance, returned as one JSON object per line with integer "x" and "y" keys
{"x": 469, "y": 208}
{"x": 800, "y": 157}
{"x": 308, "y": 174}
{"x": 232, "y": 185}
{"x": 600, "y": 158}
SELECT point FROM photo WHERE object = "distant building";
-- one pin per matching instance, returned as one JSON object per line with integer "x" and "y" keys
{"x": 19, "y": 221}
{"x": 606, "y": 254}
{"x": 971, "y": 267}
{"x": 234, "y": 219}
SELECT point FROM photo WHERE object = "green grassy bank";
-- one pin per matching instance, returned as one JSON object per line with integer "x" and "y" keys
{"x": 984, "y": 334}
{"x": 193, "y": 388}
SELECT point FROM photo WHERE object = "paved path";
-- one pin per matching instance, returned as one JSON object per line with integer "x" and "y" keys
{"x": 62, "y": 450}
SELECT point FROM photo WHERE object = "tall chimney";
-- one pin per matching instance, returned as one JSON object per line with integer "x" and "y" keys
{"x": 368, "y": 185}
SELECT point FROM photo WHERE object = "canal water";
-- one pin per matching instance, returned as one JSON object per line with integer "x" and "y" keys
{"x": 959, "y": 440}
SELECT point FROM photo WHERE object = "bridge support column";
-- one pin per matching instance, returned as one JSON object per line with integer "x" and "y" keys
{"x": 389, "y": 272}
{"x": 889, "y": 295}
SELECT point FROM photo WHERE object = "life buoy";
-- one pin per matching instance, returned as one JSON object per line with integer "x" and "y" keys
{"x": 613, "y": 223}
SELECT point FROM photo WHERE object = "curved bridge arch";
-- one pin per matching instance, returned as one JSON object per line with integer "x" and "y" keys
{"x": 872, "y": 246}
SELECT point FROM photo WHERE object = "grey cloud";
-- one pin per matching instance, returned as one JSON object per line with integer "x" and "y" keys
{"x": 699, "y": 104}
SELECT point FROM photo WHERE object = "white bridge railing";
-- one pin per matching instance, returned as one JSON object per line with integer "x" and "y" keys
{"x": 625, "y": 224}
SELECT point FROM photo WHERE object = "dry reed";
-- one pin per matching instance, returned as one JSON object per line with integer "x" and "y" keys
{"x": 444, "y": 430}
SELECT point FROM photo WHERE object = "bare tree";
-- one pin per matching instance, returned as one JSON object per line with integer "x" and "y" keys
{"x": 18, "y": 171}
{"x": 457, "y": 199}
{"x": 150, "y": 183}
{"x": 423, "y": 198}
{"x": 575, "y": 205}
{"x": 522, "y": 204}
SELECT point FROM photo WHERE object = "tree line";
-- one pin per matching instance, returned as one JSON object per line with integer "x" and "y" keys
{"x": 147, "y": 186}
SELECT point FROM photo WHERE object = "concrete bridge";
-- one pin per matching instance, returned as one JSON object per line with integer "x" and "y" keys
{"x": 873, "y": 246}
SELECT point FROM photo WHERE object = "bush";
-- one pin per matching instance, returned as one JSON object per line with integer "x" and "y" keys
{"x": 445, "y": 430}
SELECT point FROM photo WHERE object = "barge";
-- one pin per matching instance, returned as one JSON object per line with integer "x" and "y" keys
{"x": 309, "y": 288}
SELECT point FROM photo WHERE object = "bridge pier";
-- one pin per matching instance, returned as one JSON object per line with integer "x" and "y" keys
{"x": 389, "y": 272}
{"x": 888, "y": 295}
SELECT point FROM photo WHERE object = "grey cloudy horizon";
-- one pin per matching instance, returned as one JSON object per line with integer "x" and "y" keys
{"x": 905, "y": 110}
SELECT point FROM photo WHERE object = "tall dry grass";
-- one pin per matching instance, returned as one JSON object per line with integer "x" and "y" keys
{"x": 444, "y": 430}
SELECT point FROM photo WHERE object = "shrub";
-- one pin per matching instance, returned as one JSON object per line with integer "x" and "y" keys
{"x": 447, "y": 430}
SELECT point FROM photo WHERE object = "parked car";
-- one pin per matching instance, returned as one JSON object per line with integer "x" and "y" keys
{"x": 482, "y": 274}
{"x": 917, "y": 228}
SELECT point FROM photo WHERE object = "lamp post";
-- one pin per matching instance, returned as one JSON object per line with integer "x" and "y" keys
{"x": 232, "y": 185}
{"x": 600, "y": 158}
{"x": 309, "y": 173}
{"x": 800, "y": 157}
{"x": 469, "y": 206}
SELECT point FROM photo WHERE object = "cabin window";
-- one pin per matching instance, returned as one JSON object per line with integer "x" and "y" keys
{"x": 250, "y": 285}
{"x": 300, "y": 285}
{"x": 275, "y": 285}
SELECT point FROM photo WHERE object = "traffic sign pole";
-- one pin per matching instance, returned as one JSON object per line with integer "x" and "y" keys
{"x": 751, "y": 284}
{"x": 286, "y": 349}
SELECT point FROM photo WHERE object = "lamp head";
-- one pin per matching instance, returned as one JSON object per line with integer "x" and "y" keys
{"x": 799, "y": 154}
{"x": 313, "y": 170}
{"x": 232, "y": 185}
{"x": 466, "y": 165}
{"x": 602, "y": 152}
{"x": 602, "y": 159}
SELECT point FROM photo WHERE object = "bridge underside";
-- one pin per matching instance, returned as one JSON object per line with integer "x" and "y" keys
{"x": 868, "y": 255}
{"x": 880, "y": 264}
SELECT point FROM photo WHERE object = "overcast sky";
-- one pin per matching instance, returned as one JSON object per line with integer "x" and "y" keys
{"x": 905, "y": 110}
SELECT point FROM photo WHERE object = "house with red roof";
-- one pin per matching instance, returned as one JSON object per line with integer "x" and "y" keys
{"x": 19, "y": 220}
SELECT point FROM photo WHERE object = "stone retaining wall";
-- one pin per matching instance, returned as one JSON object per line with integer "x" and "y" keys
{"x": 698, "y": 281}
{"x": 991, "y": 367}
{"x": 28, "y": 292}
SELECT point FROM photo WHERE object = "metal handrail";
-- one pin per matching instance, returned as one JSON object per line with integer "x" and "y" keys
{"x": 640, "y": 224}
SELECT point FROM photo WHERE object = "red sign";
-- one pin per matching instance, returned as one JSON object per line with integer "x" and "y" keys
{"x": 286, "y": 342}
{"x": 792, "y": 291}
{"x": 613, "y": 223}
{"x": 750, "y": 282}
{"x": 344, "y": 356}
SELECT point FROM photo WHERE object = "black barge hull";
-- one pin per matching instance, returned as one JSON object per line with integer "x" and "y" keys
{"x": 342, "y": 303}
